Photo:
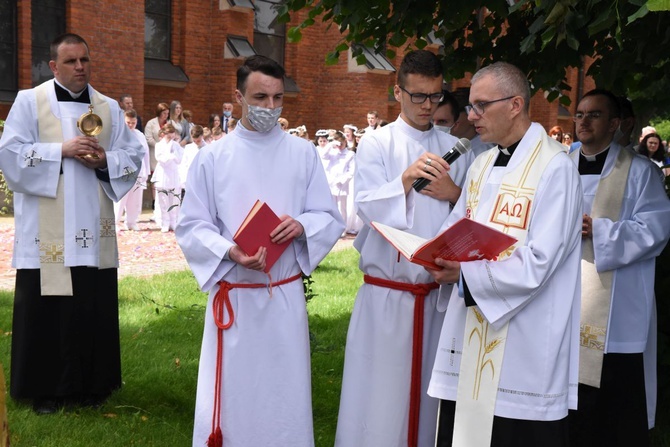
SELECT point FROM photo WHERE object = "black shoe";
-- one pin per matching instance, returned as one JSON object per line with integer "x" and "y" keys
{"x": 45, "y": 406}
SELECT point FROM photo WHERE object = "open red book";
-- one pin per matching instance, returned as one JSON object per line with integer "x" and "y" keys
{"x": 254, "y": 232}
{"x": 465, "y": 240}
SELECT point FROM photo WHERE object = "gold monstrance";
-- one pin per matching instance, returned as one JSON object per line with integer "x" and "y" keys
{"x": 90, "y": 124}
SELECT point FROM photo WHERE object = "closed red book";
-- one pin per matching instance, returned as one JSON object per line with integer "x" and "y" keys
{"x": 254, "y": 232}
{"x": 465, "y": 240}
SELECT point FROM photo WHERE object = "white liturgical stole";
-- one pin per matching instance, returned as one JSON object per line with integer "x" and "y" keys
{"x": 484, "y": 346}
{"x": 55, "y": 276}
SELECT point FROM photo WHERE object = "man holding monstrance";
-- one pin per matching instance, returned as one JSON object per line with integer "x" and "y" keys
{"x": 67, "y": 155}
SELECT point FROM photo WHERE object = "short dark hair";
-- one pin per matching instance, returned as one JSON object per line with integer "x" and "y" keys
{"x": 130, "y": 113}
{"x": 626, "y": 108}
{"x": 612, "y": 101}
{"x": 450, "y": 100}
{"x": 421, "y": 62}
{"x": 124, "y": 96}
{"x": 64, "y": 38}
{"x": 197, "y": 131}
{"x": 258, "y": 63}
{"x": 462, "y": 96}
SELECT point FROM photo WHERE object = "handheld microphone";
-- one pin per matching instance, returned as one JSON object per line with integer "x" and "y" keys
{"x": 462, "y": 147}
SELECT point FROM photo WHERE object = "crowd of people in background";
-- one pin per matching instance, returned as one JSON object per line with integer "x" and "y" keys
{"x": 173, "y": 139}
{"x": 336, "y": 147}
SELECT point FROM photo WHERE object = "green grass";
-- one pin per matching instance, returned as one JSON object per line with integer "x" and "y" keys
{"x": 336, "y": 282}
{"x": 161, "y": 321}
{"x": 161, "y": 327}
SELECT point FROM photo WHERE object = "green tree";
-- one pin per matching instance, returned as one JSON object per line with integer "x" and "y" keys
{"x": 629, "y": 39}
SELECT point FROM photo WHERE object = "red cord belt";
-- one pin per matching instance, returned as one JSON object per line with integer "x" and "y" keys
{"x": 420, "y": 291}
{"x": 220, "y": 305}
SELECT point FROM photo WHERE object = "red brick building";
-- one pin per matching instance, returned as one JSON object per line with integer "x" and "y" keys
{"x": 161, "y": 50}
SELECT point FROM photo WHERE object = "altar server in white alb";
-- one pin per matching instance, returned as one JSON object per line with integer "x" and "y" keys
{"x": 506, "y": 365}
{"x": 395, "y": 325}
{"x": 254, "y": 376}
{"x": 65, "y": 336}
{"x": 625, "y": 227}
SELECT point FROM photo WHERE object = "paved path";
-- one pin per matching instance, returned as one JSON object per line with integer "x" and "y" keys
{"x": 141, "y": 253}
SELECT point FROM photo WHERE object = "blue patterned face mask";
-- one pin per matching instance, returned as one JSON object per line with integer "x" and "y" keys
{"x": 262, "y": 119}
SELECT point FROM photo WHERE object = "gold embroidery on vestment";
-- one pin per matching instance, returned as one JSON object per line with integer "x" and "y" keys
{"x": 52, "y": 253}
{"x": 485, "y": 348}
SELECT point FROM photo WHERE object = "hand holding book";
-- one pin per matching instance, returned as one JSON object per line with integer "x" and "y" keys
{"x": 465, "y": 240}
{"x": 263, "y": 236}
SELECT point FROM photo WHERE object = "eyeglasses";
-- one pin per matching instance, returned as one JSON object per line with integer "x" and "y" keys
{"x": 420, "y": 98}
{"x": 479, "y": 107}
{"x": 588, "y": 115}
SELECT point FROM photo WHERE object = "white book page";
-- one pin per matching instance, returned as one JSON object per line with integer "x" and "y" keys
{"x": 405, "y": 242}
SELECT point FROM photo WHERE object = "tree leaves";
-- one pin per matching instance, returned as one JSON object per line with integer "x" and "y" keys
{"x": 628, "y": 38}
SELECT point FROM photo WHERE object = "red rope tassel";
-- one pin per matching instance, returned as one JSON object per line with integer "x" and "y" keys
{"x": 220, "y": 305}
{"x": 215, "y": 439}
{"x": 419, "y": 291}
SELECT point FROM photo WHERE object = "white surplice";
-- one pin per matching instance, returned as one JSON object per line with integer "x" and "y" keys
{"x": 374, "y": 406}
{"x": 32, "y": 170}
{"x": 266, "y": 393}
{"x": 629, "y": 247}
{"x": 536, "y": 290}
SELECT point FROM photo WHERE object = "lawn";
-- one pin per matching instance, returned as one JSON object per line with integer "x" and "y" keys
{"x": 161, "y": 320}
{"x": 161, "y": 327}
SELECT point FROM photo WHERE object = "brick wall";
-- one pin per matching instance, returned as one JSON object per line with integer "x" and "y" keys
{"x": 330, "y": 95}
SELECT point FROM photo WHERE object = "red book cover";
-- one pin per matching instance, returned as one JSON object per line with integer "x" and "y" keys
{"x": 254, "y": 232}
{"x": 466, "y": 240}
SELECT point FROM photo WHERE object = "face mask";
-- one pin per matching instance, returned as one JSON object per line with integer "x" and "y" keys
{"x": 445, "y": 129}
{"x": 262, "y": 119}
{"x": 227, "y": 113}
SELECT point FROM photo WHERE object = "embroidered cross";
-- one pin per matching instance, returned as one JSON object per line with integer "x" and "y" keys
{"x": 452, "y": 352}
{"x": 51, "y": 253}
{"x": 128, "y": 174}
{"x": 82, "y": 238}
{"x": 107, "y": 227}
{"x": 592, "y": 337}
{"x": 32, "y": 159}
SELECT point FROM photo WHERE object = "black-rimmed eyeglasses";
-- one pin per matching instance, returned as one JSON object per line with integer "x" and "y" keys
{"x": 480, "y": 107}
{"x": 420, "y": 98}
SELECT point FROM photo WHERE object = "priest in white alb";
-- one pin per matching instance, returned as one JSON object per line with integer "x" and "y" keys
{"x": 254, "y": 374}
{"x": 506, "y": 363}
{"x": 625, "y": 227}
{"x": 65, "y": 342}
